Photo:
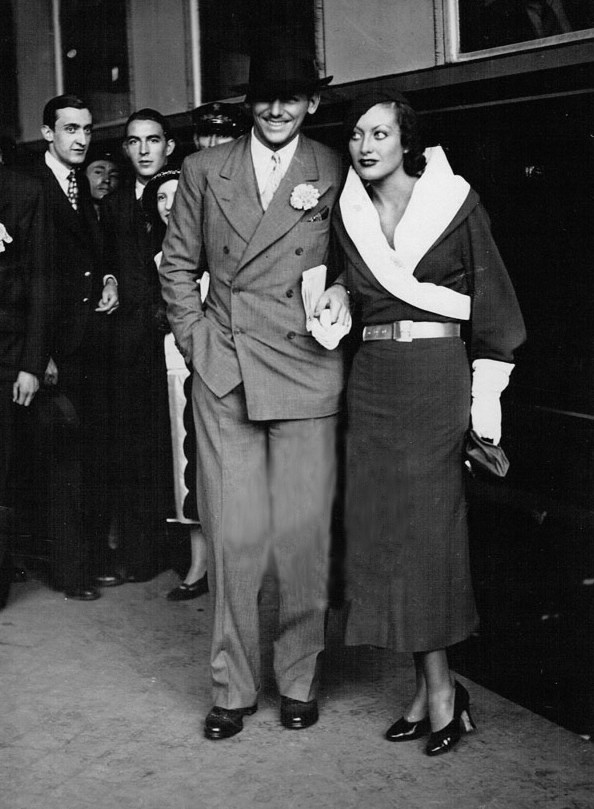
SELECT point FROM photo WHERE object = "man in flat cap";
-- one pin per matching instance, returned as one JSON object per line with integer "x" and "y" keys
{"x": 265, "y": 393}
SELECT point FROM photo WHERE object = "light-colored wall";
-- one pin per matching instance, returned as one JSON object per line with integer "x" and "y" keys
{"x": 158, "y": 55}
{"x": 368, "y": 38}
{"x": 35, "y": 63}
{"x": 157, "y": 41}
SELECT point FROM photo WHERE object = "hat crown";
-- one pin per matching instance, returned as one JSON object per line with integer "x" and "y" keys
{"x": 275, "y": 72}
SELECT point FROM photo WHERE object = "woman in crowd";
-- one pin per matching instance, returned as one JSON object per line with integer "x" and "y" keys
{"x": 422, "y": 267}
{"x": 157, "y": 201}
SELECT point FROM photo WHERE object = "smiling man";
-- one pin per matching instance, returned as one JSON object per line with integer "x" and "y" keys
{"x": 140, "y": 392}
{"x": 265, "y": 393}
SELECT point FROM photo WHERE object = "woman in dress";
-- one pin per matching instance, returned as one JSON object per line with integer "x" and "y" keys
{"x": 157, "y": 201}
{"x": 422, "y": 270}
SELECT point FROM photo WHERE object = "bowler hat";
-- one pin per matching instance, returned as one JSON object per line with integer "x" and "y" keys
{"x": 215, "y": 118}
{"x": 278, "y": 73}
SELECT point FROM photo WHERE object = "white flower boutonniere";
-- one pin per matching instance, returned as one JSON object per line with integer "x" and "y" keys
{"x": 304, "y": 197}
{"x": 5, "y": 238}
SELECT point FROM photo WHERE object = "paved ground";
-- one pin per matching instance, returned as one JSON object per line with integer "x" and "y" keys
{"x": 102, "y": 705}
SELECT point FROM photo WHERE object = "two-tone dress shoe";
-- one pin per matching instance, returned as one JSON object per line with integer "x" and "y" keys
{"x": 222, "y": 723}
{"x": 297, "y": 715}
{"x": 82, "y": 593}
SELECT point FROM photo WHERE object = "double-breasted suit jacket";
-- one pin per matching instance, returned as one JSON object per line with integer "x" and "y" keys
{"x": 252, "y": 328}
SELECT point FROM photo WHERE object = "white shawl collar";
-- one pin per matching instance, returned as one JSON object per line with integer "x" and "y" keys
{"x": 436, "y": 198}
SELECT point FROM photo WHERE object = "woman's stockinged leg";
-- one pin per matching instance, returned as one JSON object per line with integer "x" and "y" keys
{"x": 417, "y": 708}
{"x": 198, "y": 557}
{"x": 439, "y": 687}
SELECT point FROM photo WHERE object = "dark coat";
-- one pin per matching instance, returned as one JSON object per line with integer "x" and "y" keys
{"x": 77, "y": 268}
{"x": 464, "y": 258}
{"x": 25, "y": 277}
{"x": 128, "y": 252}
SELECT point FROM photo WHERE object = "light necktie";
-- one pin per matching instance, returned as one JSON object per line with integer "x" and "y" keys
{"x": 273, "y": 181}
{"x": 72, "y": 191}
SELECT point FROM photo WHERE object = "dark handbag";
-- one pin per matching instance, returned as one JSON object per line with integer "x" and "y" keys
{"x": 485, "y": 456}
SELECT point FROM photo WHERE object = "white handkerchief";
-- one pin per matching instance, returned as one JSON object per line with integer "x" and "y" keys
{"x": 312, "y": 285}
{"x": 326, "y": 333}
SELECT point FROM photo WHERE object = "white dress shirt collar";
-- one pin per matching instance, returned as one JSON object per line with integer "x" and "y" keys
{"x": 139, "y": 189}
{"x": 59, "y": 170}
{"x": 261, "y": 155}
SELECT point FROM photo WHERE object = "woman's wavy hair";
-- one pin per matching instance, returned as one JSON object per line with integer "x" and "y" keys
{"x": 407, "y": 119}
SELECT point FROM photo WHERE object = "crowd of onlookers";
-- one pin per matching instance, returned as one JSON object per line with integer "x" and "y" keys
{"x": 95, "y": 444}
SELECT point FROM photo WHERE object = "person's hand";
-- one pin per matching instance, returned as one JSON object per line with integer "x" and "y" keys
{"x": 50, "y": 376}
{"x": 109, "y": 301}
{"x": 25, "y": 388}
{"x": 336, "y": 299}
{"x": 485, "y": 417}
{"x": 489, "y": 379}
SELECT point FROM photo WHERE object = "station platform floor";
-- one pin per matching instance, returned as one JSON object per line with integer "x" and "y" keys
{"x": 102, "y": 703}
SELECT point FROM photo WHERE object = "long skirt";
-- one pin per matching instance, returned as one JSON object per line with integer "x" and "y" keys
{"x": 407, "y": 564}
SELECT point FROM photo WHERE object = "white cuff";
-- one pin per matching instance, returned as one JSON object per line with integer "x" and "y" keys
{"x": 110, "y": 277}
{"x": 490, "y": 376}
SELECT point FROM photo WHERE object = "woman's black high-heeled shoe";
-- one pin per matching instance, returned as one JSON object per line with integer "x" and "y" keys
{"x": 404, "y": 731}
{"x": 444, "y": 740}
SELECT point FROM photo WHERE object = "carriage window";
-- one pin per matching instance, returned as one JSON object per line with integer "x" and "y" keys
{"x": 508, "y": 25}
{"x": 228, "y": 29}
{"x": 95, "y": 55}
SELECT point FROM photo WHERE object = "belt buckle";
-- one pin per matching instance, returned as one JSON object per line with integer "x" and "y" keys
{"x": 403, "y": 331}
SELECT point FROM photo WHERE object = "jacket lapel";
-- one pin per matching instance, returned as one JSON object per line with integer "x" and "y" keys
{"x": 62, "y": 208}
{"x": 236, "y": 191}
{"x": 280, "y": 216}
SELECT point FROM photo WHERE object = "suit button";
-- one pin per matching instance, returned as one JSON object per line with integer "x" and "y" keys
{"x": 85, "y": 300}
{"x": 236, "y": 290}
{"x": 299, "y": 251}
{"x": 226, "y": 250}
{"x": 291, "y": 335}
{"x": 238, "y": 331}
{"x": 87, "y": 274}
{"x": 289, "y": 293}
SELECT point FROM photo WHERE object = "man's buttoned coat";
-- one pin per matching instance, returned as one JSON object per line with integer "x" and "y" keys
{"x": 252, "y": 327}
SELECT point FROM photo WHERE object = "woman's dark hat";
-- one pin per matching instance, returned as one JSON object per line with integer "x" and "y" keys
{"x": 279, "y": 73}
{"x": 149, "y": 195}
{"x": 227, "y": 120}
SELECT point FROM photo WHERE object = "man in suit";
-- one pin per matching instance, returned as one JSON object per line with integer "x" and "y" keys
{"x": 265, "y": 393}
{"x": 144, "y": 466}
{"x": 74, "y": 416}
{"x": 25, "y": 299}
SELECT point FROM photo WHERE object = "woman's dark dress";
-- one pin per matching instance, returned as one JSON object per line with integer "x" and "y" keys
{"x": 408, "y": 574}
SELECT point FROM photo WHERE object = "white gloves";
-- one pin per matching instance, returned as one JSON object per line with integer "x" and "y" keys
{"x": 489, "y": 379}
